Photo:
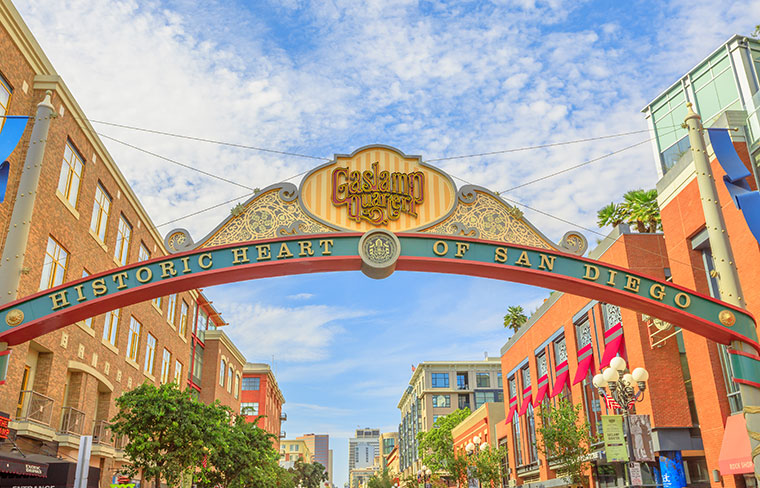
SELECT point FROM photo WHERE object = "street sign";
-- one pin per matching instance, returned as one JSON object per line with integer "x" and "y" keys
{"x": 635, "y": 469}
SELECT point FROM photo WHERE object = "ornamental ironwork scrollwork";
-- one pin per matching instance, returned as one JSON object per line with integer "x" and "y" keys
{"x": 178, "y": 240}
{"x": 612, "y": 315}
{"x": 574, "y": 243}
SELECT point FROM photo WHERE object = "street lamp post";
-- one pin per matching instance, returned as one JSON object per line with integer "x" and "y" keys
{"x": 622, "y": 392}
{"x": 426, "y": 474}
{"x": 472, "y": 448}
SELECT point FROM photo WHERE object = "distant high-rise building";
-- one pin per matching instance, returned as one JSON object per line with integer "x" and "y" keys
{"x": 362, "y": 450}
{"x": 439, "y": 388}
{"x": 388, "y": 441}
{"x": 319, "y": 445}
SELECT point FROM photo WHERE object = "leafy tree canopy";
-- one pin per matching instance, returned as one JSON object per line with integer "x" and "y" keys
{"x": 639, "y": 209}
{"x": 436, "y": 446}
{"x": 515, "y": 318}
{"x": 308, "y": 475}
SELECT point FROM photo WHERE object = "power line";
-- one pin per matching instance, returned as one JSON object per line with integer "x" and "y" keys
{"x": 211, "y": 141}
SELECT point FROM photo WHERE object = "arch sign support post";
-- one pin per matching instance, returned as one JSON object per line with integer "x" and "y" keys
{"x": 378, "y": 210}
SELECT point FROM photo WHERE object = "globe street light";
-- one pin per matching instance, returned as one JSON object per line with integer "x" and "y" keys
{"x": 426, "y": 474}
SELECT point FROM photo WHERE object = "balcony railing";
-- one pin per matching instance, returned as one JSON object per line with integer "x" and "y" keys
{"x": 282, "y": 435}
{"x": 72, "y": 421}
{"x": 101, "y": 433}
{"x": 119, "y": 442}
{"x": 35, "y": 407}
{"x": 283, "y": 417}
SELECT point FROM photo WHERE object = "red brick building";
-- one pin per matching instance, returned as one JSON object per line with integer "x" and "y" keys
{"x": 86, "y": 219}
{"x": 261, "y": 396}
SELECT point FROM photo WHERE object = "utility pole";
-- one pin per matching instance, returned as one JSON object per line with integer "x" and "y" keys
{"x": 12, "y": 261}
{"x": 725, "y": 266}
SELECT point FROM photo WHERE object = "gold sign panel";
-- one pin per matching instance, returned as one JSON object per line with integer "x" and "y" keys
{"x": 377, "y": 187}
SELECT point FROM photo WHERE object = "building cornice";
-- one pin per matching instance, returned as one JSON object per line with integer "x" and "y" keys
{"x": 224, "y": 339}
{"x": 263, "y": 368}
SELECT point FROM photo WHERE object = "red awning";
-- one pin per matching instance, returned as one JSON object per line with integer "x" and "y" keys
{"x": 525, "y": 403}
{"x": 611, "y": 350}
{"x": 541, "y": 393}
{"x": 583, "y": 368}
{"x": 735, "y": 457}
{"x": 512, "y": 410}
{"x": 560, "y": 383}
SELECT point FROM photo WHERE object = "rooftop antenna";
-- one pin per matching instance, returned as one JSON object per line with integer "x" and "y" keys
{"x": 486, "y": 355}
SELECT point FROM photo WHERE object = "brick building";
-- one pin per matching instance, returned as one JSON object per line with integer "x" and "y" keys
{"x": 261, "y": 396}
{"x": 86, "y": 219}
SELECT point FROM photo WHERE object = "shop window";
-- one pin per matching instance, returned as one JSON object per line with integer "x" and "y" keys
{"x": 54, "y": 265}
{"x": 71, "y": 174}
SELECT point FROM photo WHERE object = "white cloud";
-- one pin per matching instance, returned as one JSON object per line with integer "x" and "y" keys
{"x": 300, "y": 296}
{"x": 287, "y": 333}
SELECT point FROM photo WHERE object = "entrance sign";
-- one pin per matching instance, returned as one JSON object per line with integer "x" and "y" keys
{"x": 378, "y": 210}
{"x": 615, "y": 447}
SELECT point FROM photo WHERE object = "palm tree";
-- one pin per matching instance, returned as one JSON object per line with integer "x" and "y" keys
{"x": 611, "y": 214}
{"x": 639, "y": 208}
{"x": 515, "y": 318}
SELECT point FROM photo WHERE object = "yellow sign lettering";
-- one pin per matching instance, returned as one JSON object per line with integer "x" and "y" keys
{"x": 326, "y": 246}
{"x": 592, "y": 272}
{"x": 547, "y": 262}
{"x": 80, "y": 293}
{"x": 120, "y": 278}
{"x": 99, "y": 287}
{"x": 462, "y": 247}
{"x": 264, "y": 252}
{"x": 59, "y": 300}
{"x": 500, "y": 255}
{"x": 141, "y": 275}
{"x": 284, "y": 251}
{"x": 683, "y": 300}
{"x": 240, "y": 255}
{"x": 204, "y": 261}
{"x": 657, "y": 291}
{"x": 632, "y": 283}
{"x": 305, "y": 248}
{"x": 523, "y": 260}
{"x": 167, "y": 269}
{"x": 440, "y": 248}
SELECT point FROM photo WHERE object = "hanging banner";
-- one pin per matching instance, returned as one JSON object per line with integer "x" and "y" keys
{"x": 614, "y": 439}
{"x": 636, "y": 478}
{"x": 641, "y": 438}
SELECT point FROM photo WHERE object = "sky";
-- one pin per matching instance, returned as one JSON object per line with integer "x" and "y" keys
{"x": 434, "y": 78}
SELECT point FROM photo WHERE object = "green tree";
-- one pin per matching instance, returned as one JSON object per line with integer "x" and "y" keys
{"x": 169, "y": 432}
{"x": 436, "y": 446}
{"x": 566, "y": 440}
{"x": 639, "y": 208}
{"x": 515, "y": 318}
{"x": 756, "y": 34}
{"x": 243, "y": 457}
{"x": 488, "y": 466}
{"x": 308, "y": 475}
{"x": 381, "y": 480}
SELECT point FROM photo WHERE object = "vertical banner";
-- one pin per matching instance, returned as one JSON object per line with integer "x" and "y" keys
{"x": 641, "y": 438}
{"x": 671, "y": 469}
{"x": 614, "y": 439}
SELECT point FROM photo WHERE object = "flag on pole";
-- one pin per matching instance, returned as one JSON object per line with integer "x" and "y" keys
{"x": 11, "y": 133}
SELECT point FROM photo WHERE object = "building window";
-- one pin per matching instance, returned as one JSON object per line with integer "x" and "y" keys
{"x": 482, "y": 397}
{"x": 530, "y": 434}
{"x": 701, "y": 243}
{"x": 184, "y": 311}
{"x": 464, "y": 401}
{"x": 222, "y": 372}
{"x": 251, "y": 408}
{"x": 440, "y": 380}
{"x": 111, "y": 326}
{"x": 87, "y": 321}
{"x": 100, "y": 210}
{"x": 166, "y": 364}
{"x": 525, "y": 376}
{"x": 560, "y": 350}
{"x": 158, "y": 301}
{"x": 237, "y": 385}
{"x": 462, "y": 381}
{"x": 512, "y": 387}
{"x": 197, "y": 364}
{"x": 123, "y": 236}
{"x": 171, "y": 309}
{"x": 143, "y": 254}
{"x": 518, "y": 440}
{"x": 133, "y": 340}
{"x": 251, "y": 384}
{"x": 71, "y": 175}
{"x": 230, "y": 373}
{"x": 150, "y": 354}
{"x": 201, "y": 324}
{"x": 441, "y": 401}
{"x": 499, "y": 381}
{"x": 541, "y": 365}
{"x": 5, "y": 98}
{"x": 483, "y": 380}
{"x": 177, "y": 372}
{"x": 583, "y": 332}
{"x": 54, "y": 265}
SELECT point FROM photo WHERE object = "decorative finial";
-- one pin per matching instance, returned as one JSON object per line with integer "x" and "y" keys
{"x": 690, "y": 113}
{"x": 47, "y": 101}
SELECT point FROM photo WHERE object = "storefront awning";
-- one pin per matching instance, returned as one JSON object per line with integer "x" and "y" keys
{"x": 17, "y": 464}
{"x": 735, "y": 451}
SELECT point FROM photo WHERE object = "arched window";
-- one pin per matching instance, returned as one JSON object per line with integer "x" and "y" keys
{"x": 229, "y": 379}
{"x": 237, "y": 385}
{"x": 222, "y": 370}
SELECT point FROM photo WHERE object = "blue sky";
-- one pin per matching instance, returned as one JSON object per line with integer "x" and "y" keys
{"x": 434, "y": 78}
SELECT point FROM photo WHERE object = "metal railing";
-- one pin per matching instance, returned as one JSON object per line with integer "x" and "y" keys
{"x": 120, "y": 442}
{"x": 35, "y": 407}
{"x": 282, "y": 435}
{"x": 283, "y": 417}
{"x": 72, "y": 421}
{"x": 101, "y": 433}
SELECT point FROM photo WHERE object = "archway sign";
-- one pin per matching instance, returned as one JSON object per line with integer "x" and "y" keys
{"x": 379, "y": 210}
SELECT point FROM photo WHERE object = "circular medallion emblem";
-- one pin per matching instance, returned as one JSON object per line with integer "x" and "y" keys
{"x": 727, "y": 318}
{"x": 14, "y": 317}
{"x": 379, "y": 250}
